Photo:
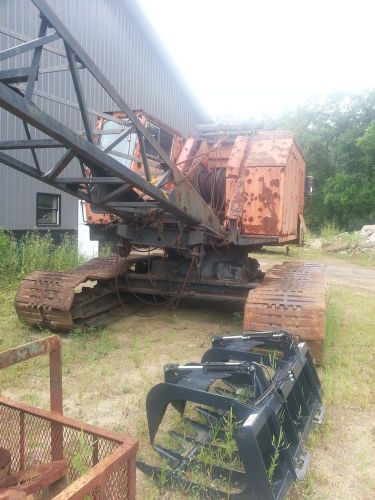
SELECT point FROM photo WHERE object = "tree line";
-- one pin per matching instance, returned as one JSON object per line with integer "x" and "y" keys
{"x": 337, "y": 136}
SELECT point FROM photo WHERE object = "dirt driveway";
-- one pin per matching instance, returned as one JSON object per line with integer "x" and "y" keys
{"x": 338, "y": 272}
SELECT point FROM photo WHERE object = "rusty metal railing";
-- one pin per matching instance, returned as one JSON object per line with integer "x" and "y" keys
{"x": 51, "y": 346}
{"x": 34, "y": 436}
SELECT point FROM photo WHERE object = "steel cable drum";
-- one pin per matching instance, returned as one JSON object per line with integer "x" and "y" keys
{"x": 210, "y": 183}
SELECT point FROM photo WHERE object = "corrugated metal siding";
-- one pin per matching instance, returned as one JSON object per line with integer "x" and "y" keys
{"x": 114, "y": 41}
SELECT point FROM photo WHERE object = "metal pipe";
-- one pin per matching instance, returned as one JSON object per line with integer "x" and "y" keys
{"x": 51, "y": 346}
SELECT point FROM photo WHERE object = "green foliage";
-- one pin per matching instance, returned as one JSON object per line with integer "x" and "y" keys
{"x": 329, "y": 232}
{"x": 278, "y": 444}
{"x": 337, "y": 136}
{"x": 8, "y": 255}
{"x": 82, "y": 456}
{"x": 35, "y": 251}
{"x": 350, "y": 199}
{"x": 106, "y": 249}
{"x": 238, "y": 316}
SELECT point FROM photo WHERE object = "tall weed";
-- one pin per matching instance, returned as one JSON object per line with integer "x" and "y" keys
{"x": 35, "y": 252}
{"x": 329, "y": 232}
{"x": 65, "y": 255}
{"x": 8, "y": 255}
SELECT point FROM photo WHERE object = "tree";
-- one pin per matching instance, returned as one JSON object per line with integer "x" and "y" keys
{"x": 337, "y": 136}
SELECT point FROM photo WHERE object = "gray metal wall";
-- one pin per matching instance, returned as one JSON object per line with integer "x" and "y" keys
{"x": 115, "y": 35}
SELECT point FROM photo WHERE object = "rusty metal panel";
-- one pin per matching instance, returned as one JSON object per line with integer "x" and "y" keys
{"x": 274, "y": 176}
{"x": 294, "y": 183}
{"x": 51, "y": 346}
{"x": 233, "y": 169}
{"x": 261, "y": 209}
{"x": 110, "y": 462}
{"x": 271, "y": 149}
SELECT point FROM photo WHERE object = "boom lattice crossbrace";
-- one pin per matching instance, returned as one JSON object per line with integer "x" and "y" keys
{"x": 17, "y": 90}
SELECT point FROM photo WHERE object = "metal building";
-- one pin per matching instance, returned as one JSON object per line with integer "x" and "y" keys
{"x": 122, "y": 43}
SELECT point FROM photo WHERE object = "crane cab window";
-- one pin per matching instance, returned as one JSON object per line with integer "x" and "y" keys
{"x": 48, "y": 209}
{"x": 125, "y": 147}
{"x": 164, "y": 138}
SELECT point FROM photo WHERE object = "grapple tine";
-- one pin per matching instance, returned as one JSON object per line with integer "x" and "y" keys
{"x": 236, "y": 477}
{"x": 198, "y": 427}
{"x": 172, "y": 457}
{"x": 180, "y": 439}
{"x": 177, "y": 480}
{"x": 211, "y": 417}
{"x": 155, "y": 409}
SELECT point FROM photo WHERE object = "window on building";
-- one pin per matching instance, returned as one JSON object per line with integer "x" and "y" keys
{"x": 165, "y": 139}
{"x": 48, "y": 209}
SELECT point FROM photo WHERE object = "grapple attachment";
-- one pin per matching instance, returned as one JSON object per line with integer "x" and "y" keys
{"x": 246, "y": 411}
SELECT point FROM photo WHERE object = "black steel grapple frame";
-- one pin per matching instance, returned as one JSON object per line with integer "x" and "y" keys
{"x": 284, "y": 406}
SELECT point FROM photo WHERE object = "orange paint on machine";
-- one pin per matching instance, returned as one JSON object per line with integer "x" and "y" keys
{"x": 254, "y": 180}
{"x": 270, "y": 187}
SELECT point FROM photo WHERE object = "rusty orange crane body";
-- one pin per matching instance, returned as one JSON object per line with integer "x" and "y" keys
{"x": 254, "y": 182}
{"x": 205, "y": 202}
{"x": 262, "y": 191}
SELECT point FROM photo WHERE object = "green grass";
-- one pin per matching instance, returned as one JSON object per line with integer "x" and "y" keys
{"x": 350, "y": 349}
{"x": 133, "y": 351}
{"x": 35, "y": 252}
{"x": 82, "y": 455}
{"x": 344, "y": 441}
{"x": 365, "y": 259}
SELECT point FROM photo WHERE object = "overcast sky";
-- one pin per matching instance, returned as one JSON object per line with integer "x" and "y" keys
{"x": 244, "y": 58}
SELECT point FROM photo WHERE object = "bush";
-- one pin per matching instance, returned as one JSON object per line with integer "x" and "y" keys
{"x": 65, "y": 256}
{"x": 329, "y": 232}
{"x": 8, "y": 255}
{"x": 36, "y": 252}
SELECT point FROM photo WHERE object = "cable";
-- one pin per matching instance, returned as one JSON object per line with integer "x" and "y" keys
{"x": 172, "y": 301}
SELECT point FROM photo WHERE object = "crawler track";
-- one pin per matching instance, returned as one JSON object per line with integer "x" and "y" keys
{"x": 291, "y": 297}
{"x": 55, "y": 300}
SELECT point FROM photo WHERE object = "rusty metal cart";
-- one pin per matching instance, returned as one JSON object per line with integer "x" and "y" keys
{"x": 100, "y": 464}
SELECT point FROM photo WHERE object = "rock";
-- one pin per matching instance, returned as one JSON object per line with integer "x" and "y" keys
{"x": 367, "y": 231}
{"x": 367, "y": 234}
{"x": 336, "y": 246}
